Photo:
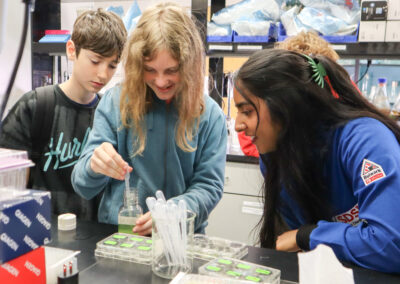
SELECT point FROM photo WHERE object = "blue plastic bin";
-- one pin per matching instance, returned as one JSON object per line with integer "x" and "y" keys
{"x": 332, "y": 38}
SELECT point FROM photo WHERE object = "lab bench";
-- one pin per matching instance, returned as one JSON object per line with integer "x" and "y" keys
{"x": 103, "y": 270}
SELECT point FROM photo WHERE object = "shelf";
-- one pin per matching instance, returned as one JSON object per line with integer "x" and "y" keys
{"x": 50, "y": 48}
{"x": 357, "y": 50}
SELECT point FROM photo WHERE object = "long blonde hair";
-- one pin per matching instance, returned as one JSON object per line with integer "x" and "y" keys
{"x": 165, "y": 26}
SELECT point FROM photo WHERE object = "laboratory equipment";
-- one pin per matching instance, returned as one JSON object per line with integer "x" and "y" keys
{"x": 364, "y": 86}
{"x": 125, "y": 247}
{"x": 395, "y": 112}
{"x": 131, "y": 209}
{"x": 172, "y": 233}
{"x": 240, "y": 270}
{"x": 13, "y": 168}
{"x": 393, "y": 93}
{"x": 380, "y": 99}
{"x": 207, "y": 248}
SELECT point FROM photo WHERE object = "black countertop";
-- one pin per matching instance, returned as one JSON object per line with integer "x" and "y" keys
{"x": 103, "y": 270}
{"x": 242, "y": 159}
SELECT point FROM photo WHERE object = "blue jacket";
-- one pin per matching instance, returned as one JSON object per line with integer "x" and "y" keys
{"x": 197, "y": 177}
{"x": 363, "y": 174}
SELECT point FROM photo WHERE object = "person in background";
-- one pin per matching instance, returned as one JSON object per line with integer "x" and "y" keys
{"x": 332, "y": 159}
{"x": 95, "y": 48}
{"x": 158, "y": 125}
{"x": 309, "y": 43}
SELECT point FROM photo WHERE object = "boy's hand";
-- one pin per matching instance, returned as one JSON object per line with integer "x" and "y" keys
{"x": 107, "y": 161}
{"x": 287, "y": 241}
{"x": 143, "y": 225}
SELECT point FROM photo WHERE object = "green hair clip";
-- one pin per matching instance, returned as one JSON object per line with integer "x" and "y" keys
{"x": 318, "y": 70}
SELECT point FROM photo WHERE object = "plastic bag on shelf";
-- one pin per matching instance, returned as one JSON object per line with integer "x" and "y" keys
{"x": 249, "y": 9}
{"x": 218, "y": 30}
{"x": 249, "y": 28}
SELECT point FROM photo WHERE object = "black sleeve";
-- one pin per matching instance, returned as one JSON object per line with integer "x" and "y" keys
{"x": 16, "y": 133}
{"x": 303, "y": 236}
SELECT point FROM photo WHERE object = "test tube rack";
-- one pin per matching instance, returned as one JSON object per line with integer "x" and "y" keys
{"x": 207, "y": 248}
{"x": 126, "y": 247}
{"x": 240, "y": 270}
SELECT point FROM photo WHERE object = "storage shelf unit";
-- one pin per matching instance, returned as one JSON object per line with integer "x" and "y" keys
{"x": 376, "y": 50}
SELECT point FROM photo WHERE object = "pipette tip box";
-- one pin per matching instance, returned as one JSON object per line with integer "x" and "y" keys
{"x": 126, "y": 247}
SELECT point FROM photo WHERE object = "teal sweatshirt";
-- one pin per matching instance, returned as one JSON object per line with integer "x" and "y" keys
{"x": 197, "y": 177}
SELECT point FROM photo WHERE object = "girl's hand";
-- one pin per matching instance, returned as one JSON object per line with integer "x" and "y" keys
{"x": 143, "y": 225}
{"x": 287, "y": 241}
{"x": 107, "y": 161}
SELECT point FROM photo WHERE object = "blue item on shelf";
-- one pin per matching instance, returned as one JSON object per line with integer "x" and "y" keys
{"x": 329, "y": 38}
{"x": 271, "y": 37}
{"x": 213, "y": 38}
{"x": 55, "y": 38}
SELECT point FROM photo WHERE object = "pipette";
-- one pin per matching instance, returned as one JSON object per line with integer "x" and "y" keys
{"x": 127, "y": 176}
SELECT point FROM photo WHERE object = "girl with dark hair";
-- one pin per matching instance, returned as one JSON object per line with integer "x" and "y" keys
{"x": 332, "y": 159}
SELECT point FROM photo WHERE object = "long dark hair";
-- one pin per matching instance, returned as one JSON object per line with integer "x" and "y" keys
{"x": 307, "y": 114}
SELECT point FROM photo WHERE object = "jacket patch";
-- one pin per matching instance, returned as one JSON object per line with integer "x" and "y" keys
{"x": 371, "y": 172}
{"x": 350, "y": 216}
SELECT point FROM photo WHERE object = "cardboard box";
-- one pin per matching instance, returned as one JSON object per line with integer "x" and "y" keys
{"x": 393, "y": 10}
{"x": 25, "y": 222}
{"x": 392, "y": 31}
{"x": 28, "y": 268}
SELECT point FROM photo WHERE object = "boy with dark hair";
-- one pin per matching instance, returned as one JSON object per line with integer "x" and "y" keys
{"x": 52, "y": 123}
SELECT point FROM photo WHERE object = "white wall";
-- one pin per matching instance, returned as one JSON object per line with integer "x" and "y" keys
{"x": 8, "y": 53}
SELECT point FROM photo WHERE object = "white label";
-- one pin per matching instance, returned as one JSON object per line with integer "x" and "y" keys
{"x": 42, "y": 220}
{"x": 10, "y": 269}
{"x": 4, "y": 218}
{"x": 32, "y": 268}
{"x": 127, "y": 220}
{"x": 9, "y": 241}
{"x": 249, "y": 47}
{"x": 22, "y": 217}
{"x": 220, "y": 47}
{"x": 341, "y": 47}
{"x": 30, "y": 242}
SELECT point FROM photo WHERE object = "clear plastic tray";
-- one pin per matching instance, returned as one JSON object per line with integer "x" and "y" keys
{"x": 240, "y": 270}
{"x": 207, "y": 248}
{"x": 126, "y": 247}
{"x": 183, "y": 278}
{"x": 13, "y": 168}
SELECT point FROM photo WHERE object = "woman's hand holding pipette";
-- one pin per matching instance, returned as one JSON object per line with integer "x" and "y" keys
{"x": 107, "y": 161}
{"x": 143, "y": 225}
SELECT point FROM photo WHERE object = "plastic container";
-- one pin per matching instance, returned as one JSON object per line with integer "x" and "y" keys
{"x": 207, "y": 248}
{"x": 130, "y": 211}
{"x": 162, "y": 264}
{"x": 329, "y": 38}
{"x": 13, "y": 168}
{"x": 240, "y": 270}
{"x": 126, "y": 247}
{"x": 380, "y": 99}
